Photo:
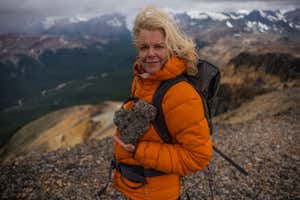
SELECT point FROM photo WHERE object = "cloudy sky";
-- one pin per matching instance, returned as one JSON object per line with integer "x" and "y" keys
{"x": 14, "y": 10}
{"x": 72, "y": 7}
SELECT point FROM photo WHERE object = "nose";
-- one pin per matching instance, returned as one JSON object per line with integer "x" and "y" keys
{"x": 151, "y": 52}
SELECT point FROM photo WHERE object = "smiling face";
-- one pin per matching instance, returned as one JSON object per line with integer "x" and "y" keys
{"x": 152, "y": 50}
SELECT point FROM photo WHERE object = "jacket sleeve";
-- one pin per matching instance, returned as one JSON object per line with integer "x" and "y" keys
{"x": 185, "y": 118}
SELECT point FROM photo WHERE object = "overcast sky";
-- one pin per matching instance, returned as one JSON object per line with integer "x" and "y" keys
{"x": 72, "y": 7}
{"x": 11, "y": 10}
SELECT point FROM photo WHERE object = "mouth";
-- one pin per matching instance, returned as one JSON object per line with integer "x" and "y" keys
{"x": 151, "y": 62}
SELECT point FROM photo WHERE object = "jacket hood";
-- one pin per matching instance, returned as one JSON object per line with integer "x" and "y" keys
{"x": 172, "y": 68}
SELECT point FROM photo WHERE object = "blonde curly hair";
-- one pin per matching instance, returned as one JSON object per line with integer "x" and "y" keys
{"x": 178, "y": 44}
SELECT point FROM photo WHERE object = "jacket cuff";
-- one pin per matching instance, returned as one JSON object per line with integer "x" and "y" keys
{"x": 138, "y": 151}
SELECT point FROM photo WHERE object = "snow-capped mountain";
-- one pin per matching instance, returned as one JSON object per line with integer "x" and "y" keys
{"x": 104, "y": 26}
{"x": 79, "y": 31}
{"x": 243, "y": 21}
{"x": 256, "y": 21}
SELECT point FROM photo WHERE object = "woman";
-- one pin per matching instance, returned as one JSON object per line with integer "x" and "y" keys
{"x": 163, "y": 53}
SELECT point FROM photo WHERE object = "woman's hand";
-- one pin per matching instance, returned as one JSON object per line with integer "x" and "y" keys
{"x": 128, "y": 147}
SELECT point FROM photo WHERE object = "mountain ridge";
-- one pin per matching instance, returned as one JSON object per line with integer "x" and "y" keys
{"x": 71, "y": 25}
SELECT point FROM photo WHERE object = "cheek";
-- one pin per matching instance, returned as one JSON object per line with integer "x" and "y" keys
{"x": 164, "y": 54}
{"x": 141, "y": 54}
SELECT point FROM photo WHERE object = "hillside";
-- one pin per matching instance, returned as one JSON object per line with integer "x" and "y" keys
{"x": 60, "y": 129}
{"x": 250, "y": 74}
{"x": 265, "y": 145}
{"x": 266, "y": 105}
{"x": 225, "y": 48}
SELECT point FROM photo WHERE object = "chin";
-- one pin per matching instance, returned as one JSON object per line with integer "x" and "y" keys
{"x": 153, "y": 69}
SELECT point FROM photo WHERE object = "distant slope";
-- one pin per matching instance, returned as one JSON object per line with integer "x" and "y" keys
{"x": 262, "y": 106}
{"x": 223, "y": 49}
{"x": 250, "y": 74}
{"x": 61, "y": 129}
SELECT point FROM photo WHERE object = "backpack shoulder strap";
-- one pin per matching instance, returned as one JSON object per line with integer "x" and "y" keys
{"x": 159, "y": 122}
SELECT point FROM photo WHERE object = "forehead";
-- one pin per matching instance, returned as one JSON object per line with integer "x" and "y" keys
{"x": 151, "y": 36}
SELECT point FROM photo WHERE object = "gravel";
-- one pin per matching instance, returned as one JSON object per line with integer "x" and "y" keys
{"x": 268, "y": 148}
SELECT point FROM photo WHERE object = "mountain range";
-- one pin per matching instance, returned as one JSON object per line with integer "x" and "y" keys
{"x": 78, "y": 32}
{"x": 263, "y": 21}
{"x": 278, "y": 21}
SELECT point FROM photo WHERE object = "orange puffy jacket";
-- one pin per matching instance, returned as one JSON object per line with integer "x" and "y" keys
{"x": 185, "y": 118}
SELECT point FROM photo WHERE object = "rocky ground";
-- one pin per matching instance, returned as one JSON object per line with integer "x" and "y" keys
{"x": 267, "y": 147}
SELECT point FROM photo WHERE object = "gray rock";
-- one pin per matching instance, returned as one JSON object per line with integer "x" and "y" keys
{"x": 134, "y": 122}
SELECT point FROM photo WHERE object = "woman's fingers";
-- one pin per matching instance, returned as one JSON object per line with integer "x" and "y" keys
{"x": 127, "y": 147}
{"x": 130, "y": 147}
{"x": 118, "y": 140}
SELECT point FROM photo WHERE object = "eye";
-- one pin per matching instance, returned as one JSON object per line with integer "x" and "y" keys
{"x": 143, "y": 47}
{"x": 159, "y": 46}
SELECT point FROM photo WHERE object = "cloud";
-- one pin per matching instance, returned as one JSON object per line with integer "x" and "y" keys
{"x": 73, "y": 7}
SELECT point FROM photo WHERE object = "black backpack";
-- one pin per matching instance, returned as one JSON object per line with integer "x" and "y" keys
{"x": 206, "y": 82}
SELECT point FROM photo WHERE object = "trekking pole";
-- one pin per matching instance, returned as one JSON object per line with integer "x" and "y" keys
{"x": 103, "y": 189}
{"x": 242, "y": 170}
{"x": 211, "y": 184}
